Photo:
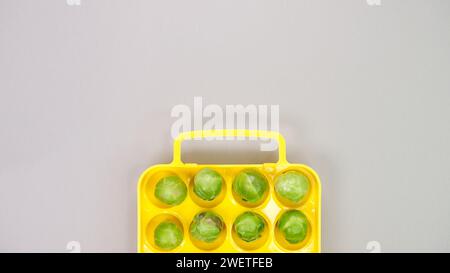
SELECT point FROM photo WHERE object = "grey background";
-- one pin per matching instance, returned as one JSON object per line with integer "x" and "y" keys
{"x": 86, "y": 95}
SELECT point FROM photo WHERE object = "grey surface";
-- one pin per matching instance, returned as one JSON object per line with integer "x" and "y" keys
{"x": 86, "y": 95}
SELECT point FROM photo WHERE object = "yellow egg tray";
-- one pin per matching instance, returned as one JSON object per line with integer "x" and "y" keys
{"x": 151, "y": 211}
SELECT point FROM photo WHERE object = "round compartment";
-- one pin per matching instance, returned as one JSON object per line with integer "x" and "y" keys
{"x": 205, "y": 203}
{"x": 156, "y": 222}
{"x": 150, "y": 188}
{"x": 284, "y": 188}
{"x": 207, "y": 245}
{"x": 254, "y": 244}
{"x": 239, "y": 197}
{"x": 281, "y": 239}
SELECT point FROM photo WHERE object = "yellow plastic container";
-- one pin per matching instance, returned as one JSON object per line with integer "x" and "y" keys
{"x": 151, "y": 211}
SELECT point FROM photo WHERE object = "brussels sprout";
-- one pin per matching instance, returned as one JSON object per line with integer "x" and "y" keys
{"x": 250, "y": 186}
{"x": 293, "y": 225}
{"x": 206, "y": 226}
{"x": 171, "y": 190}
{"x": 168, "y": 235}
{"x": 249, "y": 226}
{"x": 292, "y": 186}
{"x": 207, "y": 184}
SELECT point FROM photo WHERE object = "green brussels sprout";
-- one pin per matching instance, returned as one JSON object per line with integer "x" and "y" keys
{"x": 249, "y": 226}
{"x": 207, "y": 184}
{"x": 168, "y": 235}
{"x": 171, "y": 190}
{"x": 292, "y": 186}
{"x": 250, "y": 186}
{"x": 206, "y": 226}
{"x": 294, "y": 226}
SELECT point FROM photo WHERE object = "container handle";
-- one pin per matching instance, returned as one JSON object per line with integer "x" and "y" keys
{"x": 201, "y": 134}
